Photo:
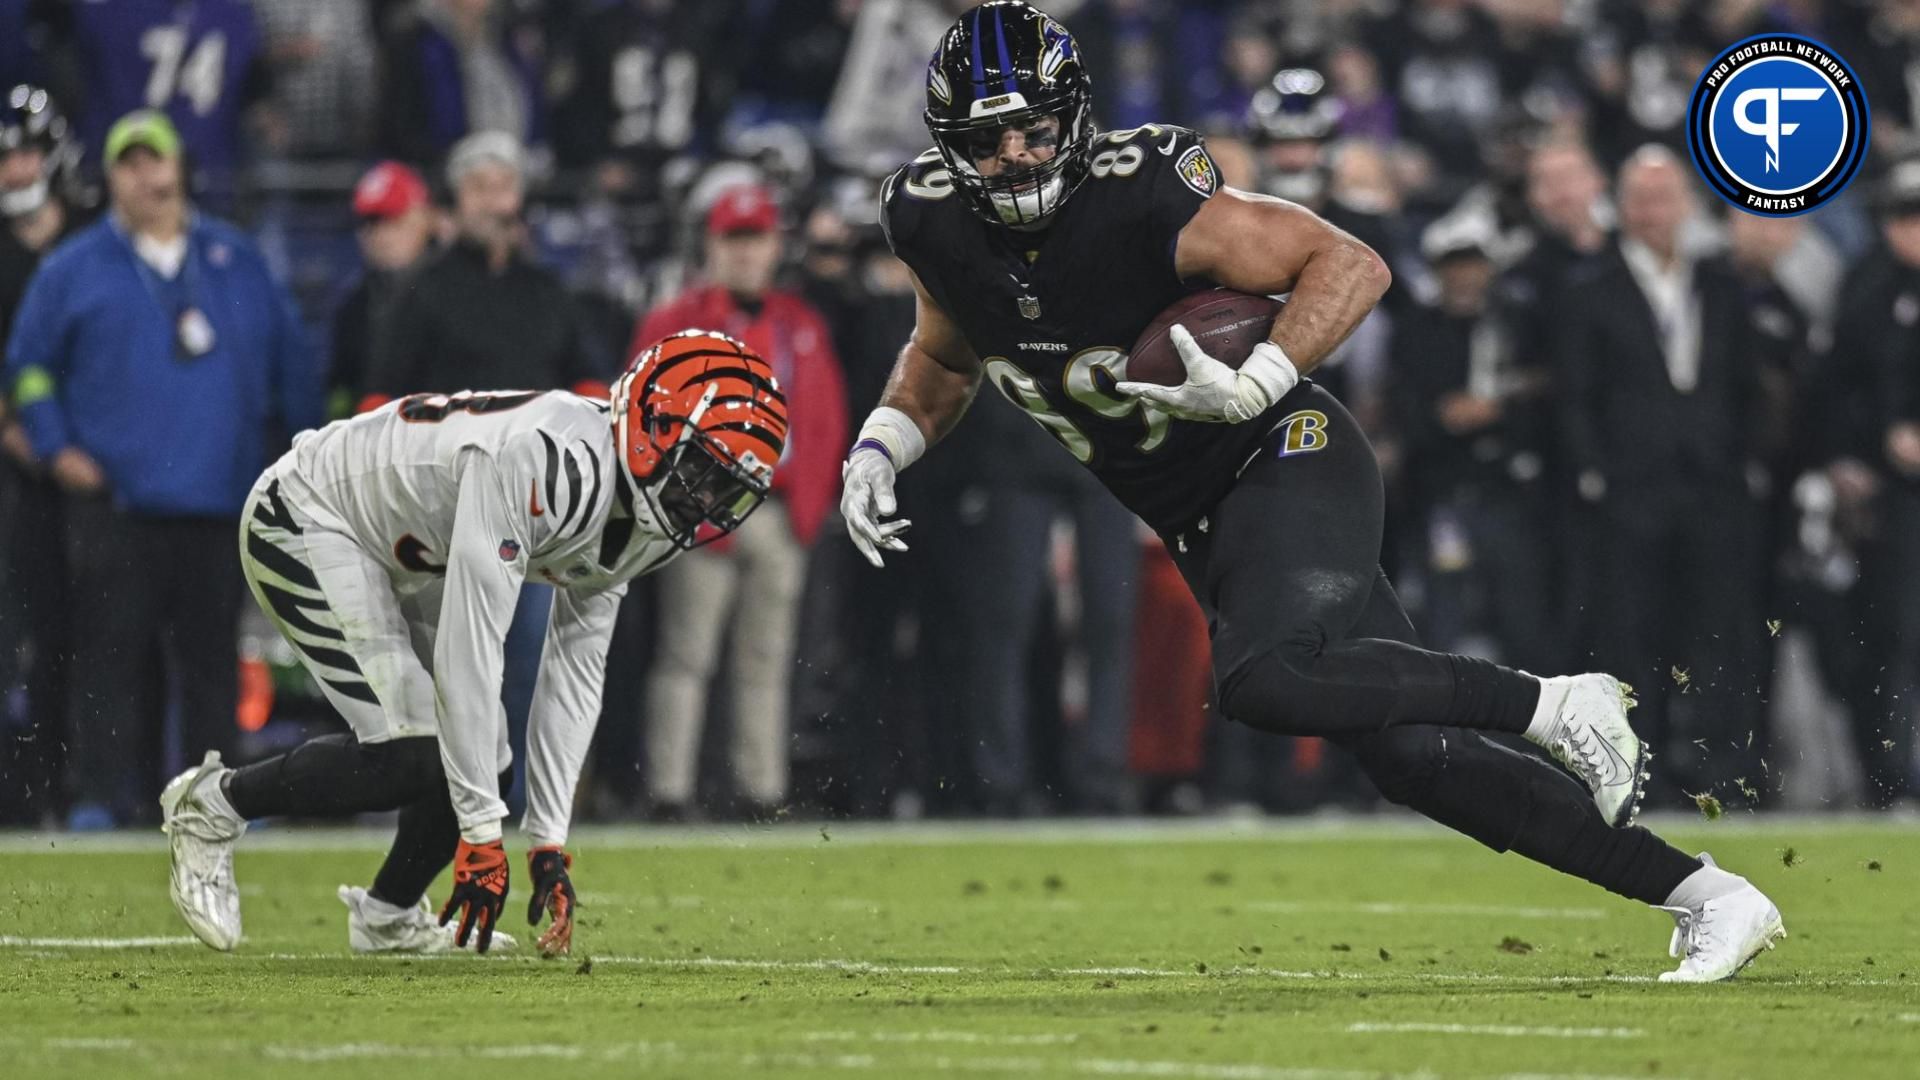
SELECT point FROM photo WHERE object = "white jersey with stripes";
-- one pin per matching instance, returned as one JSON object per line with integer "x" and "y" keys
{"x": 483, "y": 492}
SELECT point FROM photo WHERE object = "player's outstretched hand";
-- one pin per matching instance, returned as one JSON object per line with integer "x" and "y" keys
{"x": 866, "y": 496}
{"x": 552, "y": 893}
{"x": 479, "y": 892}
{"x": 1214, "y": 392}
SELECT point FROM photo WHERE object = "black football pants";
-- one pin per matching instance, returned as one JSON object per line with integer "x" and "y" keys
{"x": 338, "y": 775}
{"x": 1309, "y": 639}
{"x": 146, "y": 588}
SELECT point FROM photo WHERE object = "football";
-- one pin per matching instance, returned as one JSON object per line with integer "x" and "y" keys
{"x": 1226, "y": 324}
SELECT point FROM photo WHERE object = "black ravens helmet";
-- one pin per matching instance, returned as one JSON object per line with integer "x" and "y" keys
{"x": 1003, "y": 65}
{"x": 29, "y": 118}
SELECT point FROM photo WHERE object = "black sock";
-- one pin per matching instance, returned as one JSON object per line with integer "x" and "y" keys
{"x": 1562, "y": 828}
{"x": 336, "y": 775}
{"x": 1490, "y": 697}
{"x": 423, "y": 845}
{"x": 1515, "y": 801}
{"x": 1632, "y": 862}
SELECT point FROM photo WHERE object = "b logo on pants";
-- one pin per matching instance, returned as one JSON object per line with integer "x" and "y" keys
{"x": 1303, "y": 432}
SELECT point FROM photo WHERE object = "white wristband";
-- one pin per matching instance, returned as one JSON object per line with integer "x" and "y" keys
{"x": 894, "y": 434}
{"x": 1266, "y": 377}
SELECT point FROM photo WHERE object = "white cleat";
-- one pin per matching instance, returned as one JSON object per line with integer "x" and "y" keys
{"x": 373, "y": 928}
{"x": 202, "y": 833}
{"x": 1723, "y": 934}
{"x": 1590, "y": 735}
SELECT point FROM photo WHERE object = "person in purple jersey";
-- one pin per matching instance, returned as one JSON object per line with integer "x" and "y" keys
{"x": 202, "y": 63}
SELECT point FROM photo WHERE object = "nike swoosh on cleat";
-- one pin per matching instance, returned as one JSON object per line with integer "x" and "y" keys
{"x": 1622, "y": 770}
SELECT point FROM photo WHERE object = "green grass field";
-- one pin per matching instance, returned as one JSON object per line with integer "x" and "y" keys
{"x": 1216, "y": 951}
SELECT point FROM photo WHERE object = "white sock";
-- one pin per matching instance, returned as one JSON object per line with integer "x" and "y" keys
{"x": 1553, "y": 694}
{"x": 1703, "y": 885}
{"x": 214, "y": 797}
{"x": 381, "y": 911}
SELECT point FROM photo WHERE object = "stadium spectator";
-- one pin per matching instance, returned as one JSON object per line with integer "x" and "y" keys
{"x": 323, "y": 56}
{"x": 1004, "y": 487}
{"x": 644, "y": 85}
{"x": 483, "y": 315}
{"x": 1367, "y": 111}
{"x": 156, "y": 366}
{"x": 37, "y": 155}
{"x": 1470, "y": 407}
{"x": 798, "y": 51}
{"x": 396, "y": 221}
{"x": 204, "y": 64}
{"x": 1570, "y": 222}
{"x": 1441, "y": 58}
{"x": 1658, "y": 388}
{"x": 459, "y": 67}
{"x": 1641, "y": 62}
{"x": 747, "y": 587}
{"x": 864, "y": 129}
{"x": 1566, "y": 193}
{"x": 1877, "y": 346}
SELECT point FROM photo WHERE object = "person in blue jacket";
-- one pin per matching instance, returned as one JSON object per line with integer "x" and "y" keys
{"x": 157, "y": 368}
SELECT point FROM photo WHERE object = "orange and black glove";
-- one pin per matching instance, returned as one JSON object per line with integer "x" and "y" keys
{"x": 479, "y": 892}
{"x": 552, "y": 893}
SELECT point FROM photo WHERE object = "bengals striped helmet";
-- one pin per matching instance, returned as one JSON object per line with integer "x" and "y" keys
{"x": 699, "y": 421}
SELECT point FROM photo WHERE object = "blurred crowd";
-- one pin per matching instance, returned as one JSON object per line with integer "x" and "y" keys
{"x": 1622, "y": 425}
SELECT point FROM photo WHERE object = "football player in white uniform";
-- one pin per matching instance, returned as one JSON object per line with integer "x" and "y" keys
{"x": 390, "y": 549}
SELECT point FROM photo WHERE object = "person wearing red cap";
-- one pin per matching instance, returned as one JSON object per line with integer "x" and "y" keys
{"x": 396, "y": 224}
{"x": 752, "y": 583}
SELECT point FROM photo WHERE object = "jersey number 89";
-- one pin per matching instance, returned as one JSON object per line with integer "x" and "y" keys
{"x": 1089, "y": 380}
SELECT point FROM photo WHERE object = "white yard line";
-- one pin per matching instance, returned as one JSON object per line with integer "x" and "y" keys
{"x": 971, "y": 1038}
{"x": 1329, "y": 828}
{"x": 8, "y": 941}
{"x": 1511, "y": 1030}
{"x": 889, "y": 1065}
{"x": 869, "y": 967}
{"x": 1381, "y": 908}
{"x": 671, "y": 1053}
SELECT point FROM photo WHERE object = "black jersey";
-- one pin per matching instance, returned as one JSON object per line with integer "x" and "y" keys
{"x": 1052, "y": 316}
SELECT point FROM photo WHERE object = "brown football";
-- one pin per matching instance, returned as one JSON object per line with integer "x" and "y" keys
{"x": 1225, "y": 323}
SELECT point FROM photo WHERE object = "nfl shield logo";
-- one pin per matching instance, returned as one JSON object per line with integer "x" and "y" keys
{"x": 1029, "y": 307}
{"x": 509, "y": 550}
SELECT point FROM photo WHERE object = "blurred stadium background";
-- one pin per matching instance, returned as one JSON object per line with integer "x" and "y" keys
{"x": 1741, "y": 546}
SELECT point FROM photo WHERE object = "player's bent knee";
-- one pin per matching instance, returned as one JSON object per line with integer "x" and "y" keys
{"x": 412, "y": 763}
{"x": 1273, "y": 692}
{"x": 1404, "y": 763}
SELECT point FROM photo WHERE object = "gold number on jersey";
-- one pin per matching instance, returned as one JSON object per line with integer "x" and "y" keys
{"x": 930, "y": 183}
{"x": 1089, "y": 380}
{"x": 1122, "y": 162}
{"x": 1122, "y": 157}
{"x": 1023, "y": 390}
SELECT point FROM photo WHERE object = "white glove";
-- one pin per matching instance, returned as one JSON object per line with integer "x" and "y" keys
{"x": 866, "y": 496}
{"x": 1215, "y": 392}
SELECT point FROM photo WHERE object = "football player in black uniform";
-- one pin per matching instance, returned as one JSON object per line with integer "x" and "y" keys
{"x": 1041, "y": 249}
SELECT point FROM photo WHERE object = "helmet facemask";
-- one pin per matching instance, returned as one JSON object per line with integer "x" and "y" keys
{"x": 696, "y": 490}
{"x": 1025, "y": 198}
{"x": 701, "y": 494}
